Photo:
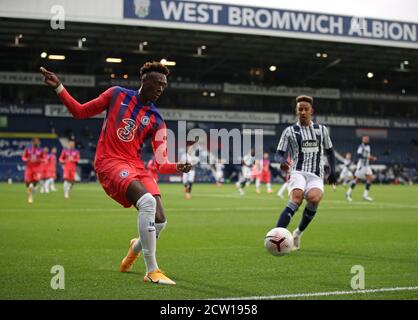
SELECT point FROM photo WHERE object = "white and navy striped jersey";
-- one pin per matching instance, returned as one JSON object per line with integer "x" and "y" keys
{"x": 219, "y": 167}
{"x": 306, "y": 147}
{"x": 248, "y": 160}
{"x": 346, "y": 164}
{"x": 363, "y": 154}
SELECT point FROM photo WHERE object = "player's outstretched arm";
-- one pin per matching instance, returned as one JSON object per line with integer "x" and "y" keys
{"x": 184, "y": 167}
{"x": 79, "y": 111}
{"x": 51, "y": 78}
{"x": 159, "y": 146}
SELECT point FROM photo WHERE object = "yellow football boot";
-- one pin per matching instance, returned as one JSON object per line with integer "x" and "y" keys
{"x": 129, "y": 260}
{"x": 158, "y": 276}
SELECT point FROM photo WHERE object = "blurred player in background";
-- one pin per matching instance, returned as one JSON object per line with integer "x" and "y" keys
{"x": 286, "y": 180}
{"x": 69, "y": 158}
{"x": 131, "y": 118}
{"x": 255, "y": 172}
{"x": 44, "y": 171}
{"x": 246, "y": 165}
{"x": 52, "y": 169}
{"x": 33, "y": 157}
{"x": 363, "y": 171}
{"x": 219, "y": 172}
{"x": 306, "y": 142}
{"x": 153, "y": 169}
{"x": 265, "y": 174}
{"x": 346, "y": 175}
{"x": 189, "y": 177}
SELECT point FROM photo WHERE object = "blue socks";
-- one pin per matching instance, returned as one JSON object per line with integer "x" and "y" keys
{"x": 287, "y": 214}
{"x": 308, "y": 215}
{"x": 289, "y": 211}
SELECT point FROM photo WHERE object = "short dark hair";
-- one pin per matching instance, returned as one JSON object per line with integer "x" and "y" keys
{"x": 154, "y": 66}
{"x": 304, "y": 98}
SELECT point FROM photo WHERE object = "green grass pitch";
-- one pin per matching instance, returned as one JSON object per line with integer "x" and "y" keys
{"x": 212, "y": 247}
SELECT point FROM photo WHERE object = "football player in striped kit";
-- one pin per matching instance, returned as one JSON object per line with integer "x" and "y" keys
{"x": 363, "y": 170}
{"x": 346, "y": 175}
{"x": 189, "y": 177}
{"x": 246, "y": 165}
{"x": 305, "y": 142}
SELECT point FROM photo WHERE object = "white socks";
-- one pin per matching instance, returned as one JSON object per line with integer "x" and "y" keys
{"x": 257, "y": 184}
{"x": 67, "y": 187}
{"x": 146, "y": 226}
{"x": 31, "y": 189}
{"x": 51, "y": 184}
{"x": 159, "y": 227}
{"x": 298, "y": 232}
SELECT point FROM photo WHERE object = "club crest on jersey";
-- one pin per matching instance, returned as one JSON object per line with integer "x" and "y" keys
{"x": 124, "y": 173}
{"x": 145, "y": 121}
{"x": 317, "y": 132}
{"x": 142, "y": 8}
{"x": 127, "y": 133}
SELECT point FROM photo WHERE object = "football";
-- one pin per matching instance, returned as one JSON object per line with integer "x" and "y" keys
{"x": 278, "y": 241}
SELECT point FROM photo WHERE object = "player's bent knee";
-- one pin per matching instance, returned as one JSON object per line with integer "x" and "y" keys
{"x": 314, "y": 200}
{"x": 297, "y": 200}
{"x": 314, "y": 197}
{"x": 297, "y": 196}
{"x": 147, "y": 204}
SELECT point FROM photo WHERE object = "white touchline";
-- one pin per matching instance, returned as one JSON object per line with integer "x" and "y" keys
{"x": 383, "y": 205}
{"x": 118, "y": 210}
{"x": 241, "y": 209}
{"x": 319, "y": 294}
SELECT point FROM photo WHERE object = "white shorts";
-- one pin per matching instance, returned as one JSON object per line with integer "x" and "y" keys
{"x": 219, "y": 175}
{"x": 363, "y": 172}
{"x": 188, "y": 177}
{"x": 305, "y": 181}
{"x": 246, "y": 172}
{"x": 346, "y": 174}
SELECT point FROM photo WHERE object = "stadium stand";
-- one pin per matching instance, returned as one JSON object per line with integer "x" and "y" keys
{"x": 229, "y": 75}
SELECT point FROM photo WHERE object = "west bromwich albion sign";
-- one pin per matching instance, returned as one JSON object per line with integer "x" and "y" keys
{"x": 268, "y": 21}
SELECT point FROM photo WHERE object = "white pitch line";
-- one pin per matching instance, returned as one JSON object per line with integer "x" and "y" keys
{"x": 195, "y": 209}
{"x": 319, "y": 294}
{"x": 377, "y": 205}
{"x": 121, "y": 209}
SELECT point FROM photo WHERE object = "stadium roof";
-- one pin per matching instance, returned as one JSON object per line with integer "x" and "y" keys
{"x": 227, "y": 58}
